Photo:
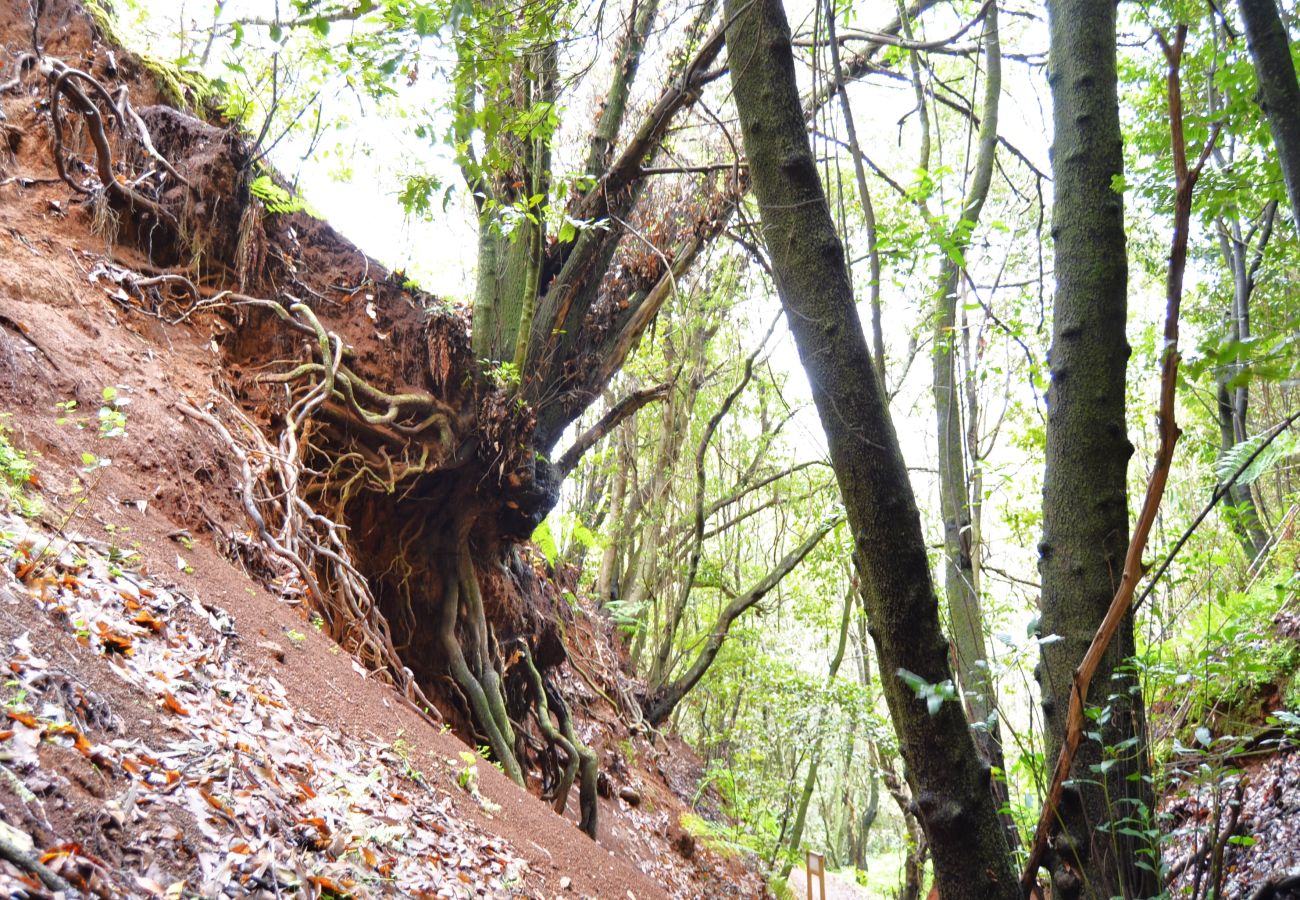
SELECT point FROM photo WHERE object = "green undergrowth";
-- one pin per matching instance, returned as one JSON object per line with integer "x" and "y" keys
{"x": 17, "y": 475}
{"x": 1227, "y": 669}
{"x": 718, "y": 838}
{"x": 182, "y": 88}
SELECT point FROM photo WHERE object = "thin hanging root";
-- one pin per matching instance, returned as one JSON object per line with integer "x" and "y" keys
{"x": 472, "y": 686}
{"x": 63, "y": 82}
{"x": 308, "y": 543}
{"x": 549, "y": 731}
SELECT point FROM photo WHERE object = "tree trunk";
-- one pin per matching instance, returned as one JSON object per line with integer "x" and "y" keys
{"x": 1085, "y": 498}
{"x": 951, "y": 783}
{"x": 1234, "y": 401}
{"x": 1270, "y": 47}
{"x": 608, "y": 576}
{"x": 960, "y": 535}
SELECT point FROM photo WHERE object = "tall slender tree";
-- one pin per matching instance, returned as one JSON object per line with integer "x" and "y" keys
{"x": 1085, "y": 496}
{"x": 956, "y": 505}
{"x": 950, "y": 782}
{"x": 1279, "y": 92}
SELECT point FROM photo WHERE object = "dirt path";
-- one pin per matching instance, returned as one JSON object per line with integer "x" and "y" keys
{"x": 838, "y": 887}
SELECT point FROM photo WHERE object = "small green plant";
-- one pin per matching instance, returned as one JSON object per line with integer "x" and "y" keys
{"x": 932, "y": 694}
{"x": 297, "y": 637}
{"x": 405, "y": 750}
{"x": 503, "y": 374}
{"x": 66, "y": 408}
{"x": 467, "y": 775}
{"x": 16, "y": 474}
{"x": 112, "y": 420}
{"x": 17, "y": 700}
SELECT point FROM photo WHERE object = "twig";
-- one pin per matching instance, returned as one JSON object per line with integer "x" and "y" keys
{"x": 27, "y": 862}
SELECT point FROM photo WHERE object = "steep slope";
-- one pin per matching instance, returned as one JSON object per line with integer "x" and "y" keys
{"x": 193, "y": 658}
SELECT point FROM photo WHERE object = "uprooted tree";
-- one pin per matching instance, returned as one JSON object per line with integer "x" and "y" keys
{"x": 393, "y": 452}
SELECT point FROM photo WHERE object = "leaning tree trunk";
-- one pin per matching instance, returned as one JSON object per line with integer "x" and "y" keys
{"x": 1279, "y": 93}
{"x": 1085, "y": 497}
{"x": 950, "y": 781}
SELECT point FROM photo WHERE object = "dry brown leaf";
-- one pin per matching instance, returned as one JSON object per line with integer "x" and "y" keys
{"x": 171, "y": 703}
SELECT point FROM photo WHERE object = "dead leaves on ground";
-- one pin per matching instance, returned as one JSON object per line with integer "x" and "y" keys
{"x": 228, "y": 790}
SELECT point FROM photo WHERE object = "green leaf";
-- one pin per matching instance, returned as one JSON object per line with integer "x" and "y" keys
{"x": 545, "y": 542}
{"x": 1284, "y": 445}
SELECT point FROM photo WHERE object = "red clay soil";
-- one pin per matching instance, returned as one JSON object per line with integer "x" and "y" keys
{"x": 170, "y": 494}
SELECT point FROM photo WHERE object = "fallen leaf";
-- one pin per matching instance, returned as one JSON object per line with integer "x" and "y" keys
{"x": 171, "y": 703}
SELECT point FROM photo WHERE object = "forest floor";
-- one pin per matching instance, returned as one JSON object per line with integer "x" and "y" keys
{"x": 175, "y": 720}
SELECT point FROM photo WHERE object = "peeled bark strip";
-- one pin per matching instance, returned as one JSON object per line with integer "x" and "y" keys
{"x": 950, "y": 783}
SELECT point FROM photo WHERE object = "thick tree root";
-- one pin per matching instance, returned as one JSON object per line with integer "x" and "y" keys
{"x": 587, "y": 765}
{"x": 67, "y": 82}
{"x": 549, "y": 731}
{"x": 477, "y": 676}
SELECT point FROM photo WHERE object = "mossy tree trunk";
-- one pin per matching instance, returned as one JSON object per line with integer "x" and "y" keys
{"x": 950, "y": 782}
{"x": 1085, "y": 496}
{"x": 1279, "y": 92}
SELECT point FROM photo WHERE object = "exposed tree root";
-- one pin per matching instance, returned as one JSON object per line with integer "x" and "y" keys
{"x": 308, "y": 542}
{"x": 349, "y": 487}
{"x": 560, "y": 793}
{"x": 476, "y": 675}
{"x": 587, "y": 767}
{"x": 66, "y": 82}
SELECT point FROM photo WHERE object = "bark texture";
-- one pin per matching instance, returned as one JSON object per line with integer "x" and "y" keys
{"x": 950, "y": 783}
{"x": 1085, "y": 498}
{"x": 1279, "y": 93}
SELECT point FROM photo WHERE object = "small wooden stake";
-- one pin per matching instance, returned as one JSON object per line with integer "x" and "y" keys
{"x": 816, "y": 864}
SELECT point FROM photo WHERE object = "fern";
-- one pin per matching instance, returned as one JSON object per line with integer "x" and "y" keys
{"x": 275, "y": 198}
{"x": 1284, "y": 445}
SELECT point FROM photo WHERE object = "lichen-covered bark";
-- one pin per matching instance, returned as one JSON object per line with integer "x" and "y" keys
{"x": 1085, "y": 499}
{"x": 950, "y": 782}
{"x": 1279, "y": 93}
